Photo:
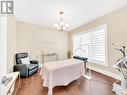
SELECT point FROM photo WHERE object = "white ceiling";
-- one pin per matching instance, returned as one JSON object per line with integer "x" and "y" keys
{"x": 76, "y": 12}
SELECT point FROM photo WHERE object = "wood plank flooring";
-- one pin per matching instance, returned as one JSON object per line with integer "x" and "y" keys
{"x": 99, "y": 85}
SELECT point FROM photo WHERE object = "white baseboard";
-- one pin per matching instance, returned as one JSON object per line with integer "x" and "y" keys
{"x": 105, "y": 72}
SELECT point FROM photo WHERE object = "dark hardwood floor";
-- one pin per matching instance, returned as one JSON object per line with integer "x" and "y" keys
{"x": 99, "y": 85}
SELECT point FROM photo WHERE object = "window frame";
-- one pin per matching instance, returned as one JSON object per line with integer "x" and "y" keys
{"x": 106, "y": 44}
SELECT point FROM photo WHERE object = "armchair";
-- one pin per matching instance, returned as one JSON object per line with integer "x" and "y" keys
{"x": 25, "y": 66}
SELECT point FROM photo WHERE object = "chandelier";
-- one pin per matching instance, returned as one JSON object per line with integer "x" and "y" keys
{"x": 61, "y": 26}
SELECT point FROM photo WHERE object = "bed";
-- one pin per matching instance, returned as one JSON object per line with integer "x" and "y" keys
{"x": 61, "y": 73}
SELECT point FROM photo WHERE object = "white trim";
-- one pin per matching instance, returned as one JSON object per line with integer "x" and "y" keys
{"x": 97, "y": 62}
{"x": 106, "y": 45}
{"x": 95, "y": 28}
{"x": 105, "y": 72}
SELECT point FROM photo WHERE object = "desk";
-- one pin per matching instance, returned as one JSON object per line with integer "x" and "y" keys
{"x": 8, "y": 89}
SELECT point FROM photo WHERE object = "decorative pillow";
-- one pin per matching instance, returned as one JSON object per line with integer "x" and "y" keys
{"x": 25, "y": 61}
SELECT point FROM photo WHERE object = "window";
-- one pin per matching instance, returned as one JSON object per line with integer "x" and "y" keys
{"x": 92, "y": 44}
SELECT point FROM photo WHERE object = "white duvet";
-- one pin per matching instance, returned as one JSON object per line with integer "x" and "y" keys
{"x": 61, "y": 73}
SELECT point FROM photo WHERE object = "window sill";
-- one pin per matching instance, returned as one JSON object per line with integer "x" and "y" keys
{"x": 98, "y": 63}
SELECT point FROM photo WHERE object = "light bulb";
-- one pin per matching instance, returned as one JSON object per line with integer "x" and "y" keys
{"x": 67, "y": 25}
{"x": 64, "y": 28}
{"x": 56, "y": 25}
{"x": 58, "y": 28}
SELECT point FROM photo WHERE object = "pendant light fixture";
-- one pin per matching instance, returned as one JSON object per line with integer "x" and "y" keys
{"x": 61, "y": 26}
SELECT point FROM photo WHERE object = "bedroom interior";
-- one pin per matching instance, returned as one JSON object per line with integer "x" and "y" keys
{"x": 63, "y": 47}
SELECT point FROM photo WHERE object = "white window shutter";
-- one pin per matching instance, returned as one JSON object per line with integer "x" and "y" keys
{"x": 91, "y": 44}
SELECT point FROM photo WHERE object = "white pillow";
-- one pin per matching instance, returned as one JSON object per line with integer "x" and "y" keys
{"x": 25, "y": 61}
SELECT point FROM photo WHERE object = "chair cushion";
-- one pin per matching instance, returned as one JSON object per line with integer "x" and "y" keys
{"x": 21, "y": 55}
{"x": 33, "y": 61}
{"x": 32, "y": 66}
{"x": 25, "y": 60}
{"x": 81, "y": 58}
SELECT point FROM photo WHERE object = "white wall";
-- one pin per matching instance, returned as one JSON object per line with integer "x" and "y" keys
{"x": 7, "y": 44}
{"x": 116, "y": 33}
{"x": 3, "y": 46}
{"x": 11, "y": 42}
{"x": 32, "y": 37}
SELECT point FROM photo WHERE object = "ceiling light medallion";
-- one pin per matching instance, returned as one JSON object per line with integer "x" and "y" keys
{"x": 61, "y": 26}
